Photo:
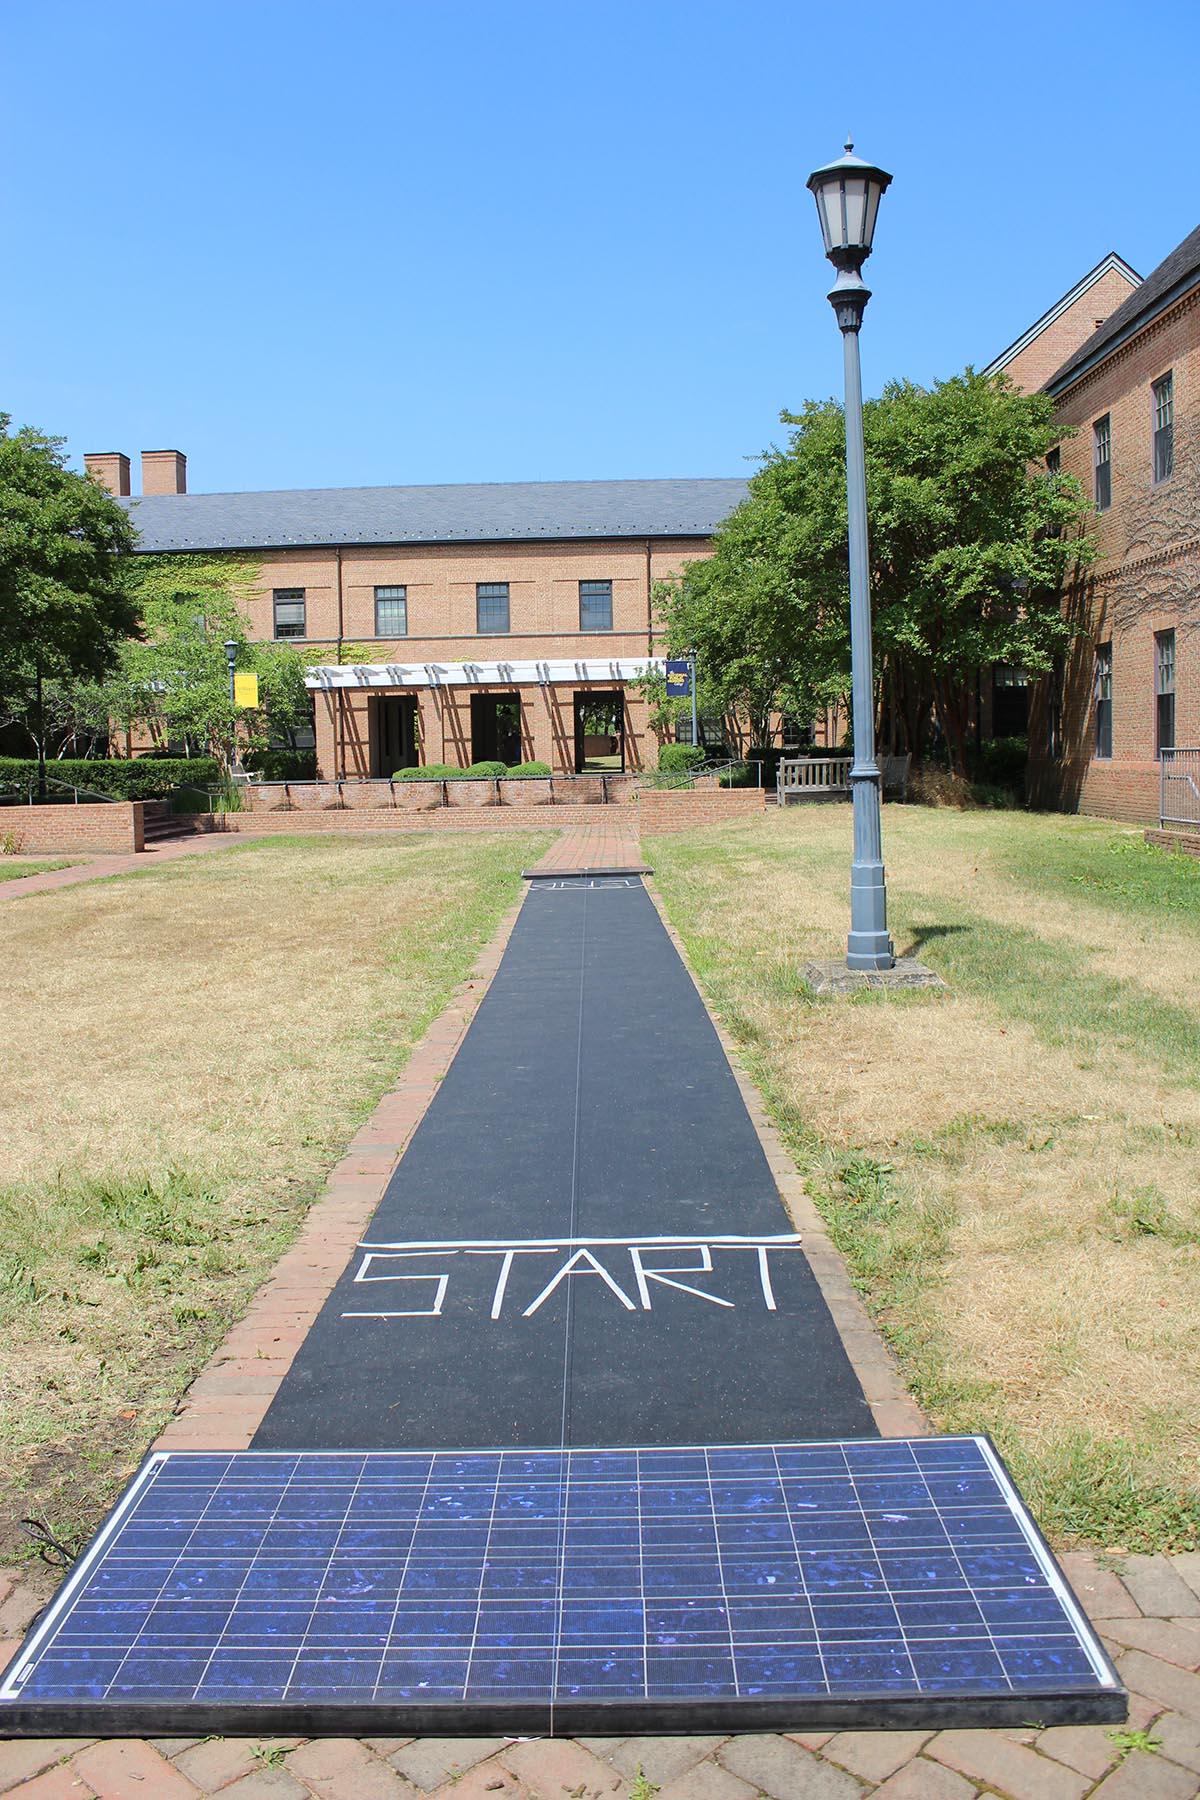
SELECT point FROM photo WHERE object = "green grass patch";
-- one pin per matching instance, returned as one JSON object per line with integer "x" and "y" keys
{"x": 1122, "y": 872}
{"x": 17, "y": 870}
{"x": 1055, "y": 989}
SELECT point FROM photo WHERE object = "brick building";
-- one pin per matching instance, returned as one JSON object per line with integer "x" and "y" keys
{"x": 452, "y": 624}
{"x": 1129, "y": 386}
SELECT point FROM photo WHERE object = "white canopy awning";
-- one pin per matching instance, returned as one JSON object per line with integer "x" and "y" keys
{"x": 479, "y": 674}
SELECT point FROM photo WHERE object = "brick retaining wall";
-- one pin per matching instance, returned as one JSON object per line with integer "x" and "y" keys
{"x": 681, "y": 809}
{"x": 115, "y": 826}
{"x": 1186, "y": 841}
{"x": 389, "y": 818}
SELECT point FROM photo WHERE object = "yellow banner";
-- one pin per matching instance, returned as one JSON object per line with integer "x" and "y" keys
{"x": 245, "y": 690}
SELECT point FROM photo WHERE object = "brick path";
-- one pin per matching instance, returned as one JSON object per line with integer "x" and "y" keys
{"x": 610, "y": 843}
{"x": 94, "y": 867}
{"x": 1147, "y": 1608}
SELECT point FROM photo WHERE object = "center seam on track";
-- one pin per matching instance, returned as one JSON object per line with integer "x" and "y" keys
{"x": 564, "y": 1472}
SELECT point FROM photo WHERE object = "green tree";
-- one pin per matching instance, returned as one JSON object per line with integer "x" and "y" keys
{"x": 175, "y": 683}
{"x": 969, "y": 549}
{"x": 66, "y": 602}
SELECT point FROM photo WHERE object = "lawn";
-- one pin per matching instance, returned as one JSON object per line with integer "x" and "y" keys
{"x": 1010, "y": 1167}
{"x": 15, "y": 869}
{"x": 187, "y": 1051}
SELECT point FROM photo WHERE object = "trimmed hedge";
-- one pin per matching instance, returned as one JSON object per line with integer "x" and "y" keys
{"x": 492, "y": 771}
{"x": 678, "y": 759}
{"x": 527, "y": 771}
{"x": 127, "y": 778}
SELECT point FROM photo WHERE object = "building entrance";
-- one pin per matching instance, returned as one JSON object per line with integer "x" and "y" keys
{"x": 599, "y": 732}
{"x": 393, "y": 734}
{"x": 496, "y": 728}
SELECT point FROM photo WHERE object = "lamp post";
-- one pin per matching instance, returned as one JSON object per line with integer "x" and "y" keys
{"x": 231, "y": 651}
{"x": 848, "y": 193}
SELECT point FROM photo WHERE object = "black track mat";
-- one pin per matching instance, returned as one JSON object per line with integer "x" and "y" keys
{"x": 583, "y": 1243}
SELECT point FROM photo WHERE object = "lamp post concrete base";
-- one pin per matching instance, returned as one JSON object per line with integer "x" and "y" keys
{"x": 836, "y": 977}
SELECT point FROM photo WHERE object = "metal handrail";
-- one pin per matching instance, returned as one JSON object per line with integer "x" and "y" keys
{"x": 1179, "y": 769}
{"x": 31, "y": 788}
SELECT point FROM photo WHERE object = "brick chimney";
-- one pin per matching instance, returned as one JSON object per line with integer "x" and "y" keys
{"x": 164, "y": 472}
{"x": 110, "y": 468}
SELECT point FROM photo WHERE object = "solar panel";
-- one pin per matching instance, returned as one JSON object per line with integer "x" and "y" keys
{"x": 661, "y": 1589}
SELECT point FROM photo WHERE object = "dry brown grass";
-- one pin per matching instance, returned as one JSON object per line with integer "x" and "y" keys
{"x": 1033, "y": 1239}
{"x": 186, "y": 1052}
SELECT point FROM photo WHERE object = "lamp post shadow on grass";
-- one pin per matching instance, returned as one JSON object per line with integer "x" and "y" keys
{"x": 921, "y": 934}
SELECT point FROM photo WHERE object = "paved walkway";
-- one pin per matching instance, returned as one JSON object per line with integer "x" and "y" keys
{"x": 94, "y": 868}
{"x": 611, "y": 843}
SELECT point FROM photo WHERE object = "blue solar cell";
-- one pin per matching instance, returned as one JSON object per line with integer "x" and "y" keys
{"x": 758, "y": 1572}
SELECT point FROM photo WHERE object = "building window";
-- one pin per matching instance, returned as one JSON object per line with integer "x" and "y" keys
{"x": 491, "y": 607}
{"x": 1164, "y": 691}
{"x": 1104, "y": 689}
{"x": 1102, "y": 457}
{"x": 1164, "y": 427}
{"x": 289, "y": 612}
{"x": 595, "y": 606}
{"x": 391, "y": 612}
{"x": 1054, "y": 461}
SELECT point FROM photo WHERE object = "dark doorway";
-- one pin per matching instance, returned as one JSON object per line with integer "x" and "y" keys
{"x": 496, "y": 728}
{"x": 1010, "y": 701}
{"x": 393, "y": 734}
{"x": 600, "y": 732}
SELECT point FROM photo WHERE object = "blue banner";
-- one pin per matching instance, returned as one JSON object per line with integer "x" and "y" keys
{"x": 679, "y": 681}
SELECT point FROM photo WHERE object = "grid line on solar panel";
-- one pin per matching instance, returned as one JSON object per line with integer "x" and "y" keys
{"x": 734, "y": 1571}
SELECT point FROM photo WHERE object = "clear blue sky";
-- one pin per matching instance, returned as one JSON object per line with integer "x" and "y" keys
{"x": 332, "y": 244}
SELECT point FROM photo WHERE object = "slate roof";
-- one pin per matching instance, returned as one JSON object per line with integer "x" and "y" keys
{"x": 1164, "y": 285}
{"x": 490, "y": 512}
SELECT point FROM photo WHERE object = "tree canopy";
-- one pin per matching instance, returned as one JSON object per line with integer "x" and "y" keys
{"x": 175, "y": 683}
{"x": 66, "y": 602}
{"x": 969, "y": 546}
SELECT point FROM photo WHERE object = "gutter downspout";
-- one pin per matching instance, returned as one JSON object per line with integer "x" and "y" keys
{"x": 649, "y": 603}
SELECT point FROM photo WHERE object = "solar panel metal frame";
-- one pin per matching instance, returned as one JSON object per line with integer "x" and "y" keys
{"x": 623, "y": 1713}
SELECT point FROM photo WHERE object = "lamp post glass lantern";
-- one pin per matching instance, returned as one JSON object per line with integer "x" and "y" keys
{"x": 847, "y": 193}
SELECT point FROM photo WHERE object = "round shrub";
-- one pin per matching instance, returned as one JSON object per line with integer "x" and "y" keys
{"x": 493, "y": 769}
{"x": 430, "y": 772}
{"x": 528, "y": 771}
{"x": 678, "y": 759}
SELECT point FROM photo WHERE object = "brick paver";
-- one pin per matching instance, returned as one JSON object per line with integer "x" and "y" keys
{"x": 430, "y": 1762}
{"x": 57, "y": 1784}
{"x": 780, "y": 1768}
{"x": 1142, "y": 1777}
{"x": 125, "y": 1769}
{"x": 708, "y": 1781}
{"x": 344, "y": 1769}
{"x": 923, "y": 1780}
{"x": 610, "y": 843}
{"x": 874, "y": 1755}
{"x": 989, "y": 1757}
